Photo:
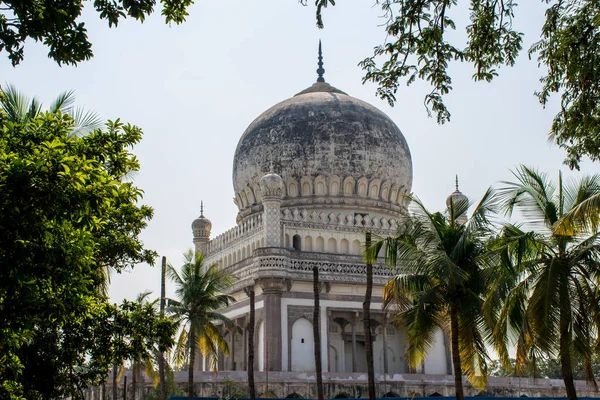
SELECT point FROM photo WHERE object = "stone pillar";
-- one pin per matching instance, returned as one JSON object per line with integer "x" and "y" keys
{"x": 272, "y": 290}
{"x": 385, "y": 356}
{"x": 271, "y": 186}
{"x": 233, "y": 332}
{"x": 245, "y": 349}
{"x": 354, "y": 342}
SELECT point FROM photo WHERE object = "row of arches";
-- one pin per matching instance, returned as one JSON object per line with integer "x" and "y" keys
{"x": 321, "y": 245}
{"x": 250, "y": 224}
{"x": 241, "y": 253}
{"x": 329, "y": 186}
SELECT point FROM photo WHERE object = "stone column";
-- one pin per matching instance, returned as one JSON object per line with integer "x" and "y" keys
{"x": 271, "y": 186}
{"x": 233, "y": 332}
{"x": 272, "y": 290}
{"x": 385, "y": 357}
{"x": 245, "y": 349}
{"x": 354, "y": 342}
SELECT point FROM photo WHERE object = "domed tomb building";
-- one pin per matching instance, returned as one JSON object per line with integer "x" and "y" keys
{"x": 311, "y": 176}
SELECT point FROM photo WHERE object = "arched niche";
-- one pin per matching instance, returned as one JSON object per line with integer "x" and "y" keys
{"x": 303, "y": 346}
{"x": 332, "y": 245}
{"x": 320, "y": 244}
{"x": 344, "y": 246}
{"x": 308, "y": 245}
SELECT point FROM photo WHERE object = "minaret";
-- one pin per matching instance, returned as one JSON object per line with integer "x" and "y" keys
{"x": 458, "y": 200}
{"x": 271, "y": 186}
{"x": 201, "y": 228}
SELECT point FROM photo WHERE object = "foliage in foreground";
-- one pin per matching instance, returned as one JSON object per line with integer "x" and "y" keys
{"x": 421, "y": 43}
{"x": 200, "y": 295}
{"x": 441, "y": 285}
{"x": 544, "y": 291}
{"x": 58, "y": 24}
{"x": 67, "y": 215}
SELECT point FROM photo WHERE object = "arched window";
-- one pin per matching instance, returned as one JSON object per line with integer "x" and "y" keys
{"x": 296, "y": 242}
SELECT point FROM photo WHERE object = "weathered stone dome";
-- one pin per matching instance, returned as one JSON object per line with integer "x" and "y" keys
{"x": 329, "y": 148}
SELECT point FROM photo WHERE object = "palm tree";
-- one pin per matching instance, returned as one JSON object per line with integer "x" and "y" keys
{"x": 200, "y": 294}
{"x": 441, "y": 257}
{"x": 22, "y": 109}
{"x": 145, "y": 362}
{"x": 544, "y": 292}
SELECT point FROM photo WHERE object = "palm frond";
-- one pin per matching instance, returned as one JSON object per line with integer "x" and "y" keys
{"x": 63, "y": 103}
{"x": 86, "y": 121}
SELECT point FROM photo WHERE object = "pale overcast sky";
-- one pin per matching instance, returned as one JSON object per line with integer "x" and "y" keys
{"x": 194, "y": 89}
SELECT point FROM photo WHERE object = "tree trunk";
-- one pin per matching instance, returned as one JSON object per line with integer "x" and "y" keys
{"x": 251, "y": 387}
{"x": 458, "y": 383}
{"x": 367, "y": 325}
{"x": 192, "y": 345}
{"x": 134, "y": 379}
{"x": 566, "y": 365}
{"x": 114, "y": 382}
{"x": 161, "y": 356}
{"x": 317, "y": 333}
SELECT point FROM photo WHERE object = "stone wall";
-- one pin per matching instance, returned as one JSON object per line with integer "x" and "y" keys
{"x": 284, "y": 384}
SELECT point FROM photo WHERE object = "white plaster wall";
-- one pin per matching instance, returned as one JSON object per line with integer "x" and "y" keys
{"x": 303, "y": 346}
{"x": 323, "y": 323}
{"x": 435, "y": 363}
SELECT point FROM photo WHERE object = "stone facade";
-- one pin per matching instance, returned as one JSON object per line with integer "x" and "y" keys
{"x": 312, "y": 175}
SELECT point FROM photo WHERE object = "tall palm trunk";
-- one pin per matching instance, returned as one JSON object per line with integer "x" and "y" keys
{"x": 134, "y": 379}
{"x": 161, "y": 356}
{"x": 192, "y": 345}
{"x": 251, "y": 387}
{"x": 317, "y": 334}
{"x": 367, "y": 325}
{"x": 566, "y": 365}
{"x": 114, "y": 382}
{"x": 458, "y": 383}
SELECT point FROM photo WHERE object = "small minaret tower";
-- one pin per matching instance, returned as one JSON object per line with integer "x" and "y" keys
{"x": 201, "y": 228}
{"x": 271, "y": 186}
{"x": 457, "y": 199}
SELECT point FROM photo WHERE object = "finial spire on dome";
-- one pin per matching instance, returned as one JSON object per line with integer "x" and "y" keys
{"x": 320, "y": 70}
{"x": 201, "y": 208}
{"x": 457, "y": 182}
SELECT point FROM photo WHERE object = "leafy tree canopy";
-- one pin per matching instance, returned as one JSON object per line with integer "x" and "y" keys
{"x": 57, "y": 24}
{"x": 66, "y": 216}
{"x": 419, "y": 45}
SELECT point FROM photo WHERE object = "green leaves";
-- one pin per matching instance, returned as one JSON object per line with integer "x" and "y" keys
{"x": 199, "y": 291}
{"x": 570, "y": 50}
{"x": 417, "y": 47}
{"x": 67, "y": 217}
{"x": 57, "y": 24}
